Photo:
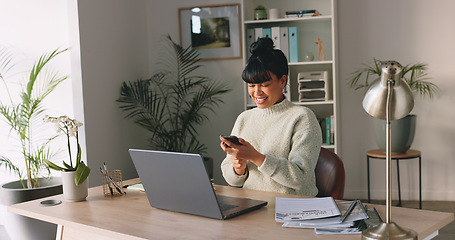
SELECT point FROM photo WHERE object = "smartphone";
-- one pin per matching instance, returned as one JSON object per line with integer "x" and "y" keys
{"x": 232, "y": 139}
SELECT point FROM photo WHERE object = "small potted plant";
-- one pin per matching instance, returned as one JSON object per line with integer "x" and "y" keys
{"x": 404, "y": 129}
{"x": 260, "y": 13}
{"x": 74, "y": 176}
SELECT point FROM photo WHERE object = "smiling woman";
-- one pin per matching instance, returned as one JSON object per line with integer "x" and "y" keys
{"x": 280, "y": 141}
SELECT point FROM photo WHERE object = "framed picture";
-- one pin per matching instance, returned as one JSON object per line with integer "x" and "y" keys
{"x": 213, "y": 30}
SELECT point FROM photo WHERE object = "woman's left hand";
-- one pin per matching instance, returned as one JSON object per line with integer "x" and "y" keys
{"x": 242, "y": 152}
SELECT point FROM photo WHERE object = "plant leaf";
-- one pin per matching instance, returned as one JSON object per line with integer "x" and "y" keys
{"x": 82, "y": 173}
{"x": 52, "y": 165}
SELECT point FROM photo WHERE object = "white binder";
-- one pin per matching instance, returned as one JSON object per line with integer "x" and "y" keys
{"x": 276, "y": 37}
{"x": 284, "y": 41}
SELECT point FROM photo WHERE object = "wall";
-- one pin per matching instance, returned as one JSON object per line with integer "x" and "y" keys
{"x": 28, "y": 44}
{"x": 113, "y": 49}
{"x": 409, "y": 32}
{"x": 163, "y": 19}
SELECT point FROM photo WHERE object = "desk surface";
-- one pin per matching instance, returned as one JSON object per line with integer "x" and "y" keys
{"x": 131, "y": 217}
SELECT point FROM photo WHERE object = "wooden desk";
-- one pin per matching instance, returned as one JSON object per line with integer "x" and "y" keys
{"x": 131, "y": 217}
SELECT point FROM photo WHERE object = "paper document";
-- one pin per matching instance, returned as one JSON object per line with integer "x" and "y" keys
{"x": 291, "y": 209}
{"x": 346, "y": 219}
{"x": 373, "y": 220}
{"x": 137, "y": 186}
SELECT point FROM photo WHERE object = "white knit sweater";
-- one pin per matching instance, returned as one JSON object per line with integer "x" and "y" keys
{"x": 290, "y": 138}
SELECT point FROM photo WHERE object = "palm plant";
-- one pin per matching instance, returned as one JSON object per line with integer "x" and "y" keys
{"x": 415, "y": 76}
{"x": 172, "y": 103}
{"x": 24, "y": 116}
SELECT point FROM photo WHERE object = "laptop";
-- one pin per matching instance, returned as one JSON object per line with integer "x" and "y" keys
{"x": 179, "y": 182}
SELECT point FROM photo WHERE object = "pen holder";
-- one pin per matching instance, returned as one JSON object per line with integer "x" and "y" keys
{"x": 109, "y": 189}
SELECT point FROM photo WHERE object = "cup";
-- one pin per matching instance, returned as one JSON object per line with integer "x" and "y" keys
{"x": 274, "y": 13}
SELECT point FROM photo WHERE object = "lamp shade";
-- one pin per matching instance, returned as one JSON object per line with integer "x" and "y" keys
{"x": 375, "y": 98}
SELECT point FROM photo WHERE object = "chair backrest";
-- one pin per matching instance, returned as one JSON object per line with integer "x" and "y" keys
{"x": 330, "y": 175}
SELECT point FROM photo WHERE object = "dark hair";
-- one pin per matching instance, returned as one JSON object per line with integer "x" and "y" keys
{"x": 264, "y": 59}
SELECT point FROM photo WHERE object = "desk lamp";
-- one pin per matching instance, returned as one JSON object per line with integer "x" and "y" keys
{"x": 389, "y": 98}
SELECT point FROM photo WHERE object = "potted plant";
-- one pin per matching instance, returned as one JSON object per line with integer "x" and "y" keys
{"x": 73, "y": 176}
{"x": 173, "y": 102}
{"x": 260, "y": 13}
{"x": 403, "y": 130}
{"x": 23, "y": 113}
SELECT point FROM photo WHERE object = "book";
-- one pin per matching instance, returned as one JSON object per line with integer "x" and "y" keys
{"x": 301, "y": 11}
{"x": 332, "y": 130}
{"x": 327, "y": 130}
{"x": 137, "y": 186}
{"x": 300, "y": 15}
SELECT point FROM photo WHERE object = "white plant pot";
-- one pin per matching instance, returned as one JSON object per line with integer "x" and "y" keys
{"x": 71, "y": 192}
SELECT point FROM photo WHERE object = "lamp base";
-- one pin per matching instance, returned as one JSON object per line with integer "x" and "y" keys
{"x": 388, "y": 231}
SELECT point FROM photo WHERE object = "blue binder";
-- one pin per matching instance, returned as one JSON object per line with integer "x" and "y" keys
{"x": 267, "y": 32}
{"x": 293, "y": 45}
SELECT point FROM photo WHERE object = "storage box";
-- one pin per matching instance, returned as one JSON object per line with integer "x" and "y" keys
{"x": 314, "y": 86}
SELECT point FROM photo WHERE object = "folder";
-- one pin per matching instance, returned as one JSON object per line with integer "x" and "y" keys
{"x": 257, "y": 33}
{"x": 276, "y": 37}
{"x": 250, "y": 39}
{"x": 293, "y": 45}
{"x": 267, "y": 32}
{"x": 284, "y": 41}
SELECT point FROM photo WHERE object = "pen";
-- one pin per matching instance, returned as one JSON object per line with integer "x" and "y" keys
{"x": 112, "y": 181}
{"x": 108, "y": 183}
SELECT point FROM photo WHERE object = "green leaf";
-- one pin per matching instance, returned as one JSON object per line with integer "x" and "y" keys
{"x": 173, "y": 103}
{"x": 82, "y": 173}
{"x": 51, "y": 165}
{"x": 68, "y": 167}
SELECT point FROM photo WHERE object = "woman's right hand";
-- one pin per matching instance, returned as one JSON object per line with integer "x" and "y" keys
{"x": 241, "y": 153}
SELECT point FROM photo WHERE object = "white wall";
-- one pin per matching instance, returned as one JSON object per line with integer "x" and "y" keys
{"x": 113, "y": 49}
{"x": 163, "y": 19}
{"x": 407, "y": 31}
{"x": 31, "y": 28}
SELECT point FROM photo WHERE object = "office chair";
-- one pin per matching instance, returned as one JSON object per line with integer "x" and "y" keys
{"x": 330, "y": 175}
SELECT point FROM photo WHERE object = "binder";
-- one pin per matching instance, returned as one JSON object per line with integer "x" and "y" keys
{"x": 267, "y": 32}
{"x": 293, "y": 45}
{"x": 284, "y": 41}
{"x": 257, "y": 33}
{"x": 276, "y": 37}
{"x": 287, "y": 89}
{"x": 249, "y": 40}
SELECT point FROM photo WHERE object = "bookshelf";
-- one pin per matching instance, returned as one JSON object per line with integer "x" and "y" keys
{"x": 309, "y": 29}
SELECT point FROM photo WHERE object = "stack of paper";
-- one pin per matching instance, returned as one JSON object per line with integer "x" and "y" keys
{"x": 322, "y": 214}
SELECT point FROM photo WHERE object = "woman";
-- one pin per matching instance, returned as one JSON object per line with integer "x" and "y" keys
{"x": 280, "y": 141}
